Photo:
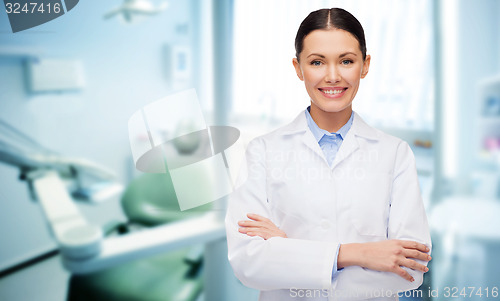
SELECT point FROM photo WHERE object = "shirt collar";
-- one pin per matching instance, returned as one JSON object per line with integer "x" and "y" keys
{"x": 319, "y": 133}
{"x": 359, "y": 128}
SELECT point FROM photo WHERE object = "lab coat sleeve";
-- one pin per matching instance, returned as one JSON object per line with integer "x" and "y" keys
{"x": 276, "y": 263}
{"x": 407, "y": 221}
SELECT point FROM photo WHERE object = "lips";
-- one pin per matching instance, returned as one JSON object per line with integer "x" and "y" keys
{"x": 333, "y": 92}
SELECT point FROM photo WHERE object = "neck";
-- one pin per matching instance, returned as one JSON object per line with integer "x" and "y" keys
{"x": 330, "y": 121}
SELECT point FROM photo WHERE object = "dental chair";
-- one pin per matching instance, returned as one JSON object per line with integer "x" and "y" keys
{"x": 148, "y": 201}
{"x": 55, "y": 181}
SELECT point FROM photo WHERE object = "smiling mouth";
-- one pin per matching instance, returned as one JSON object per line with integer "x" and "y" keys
{"x": 333, "y": 91}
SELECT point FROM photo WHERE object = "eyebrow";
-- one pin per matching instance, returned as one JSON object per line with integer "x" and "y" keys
{"x": 340, "y": 56}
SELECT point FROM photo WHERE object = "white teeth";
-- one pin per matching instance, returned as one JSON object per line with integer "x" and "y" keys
{"x": 333, "y": 91}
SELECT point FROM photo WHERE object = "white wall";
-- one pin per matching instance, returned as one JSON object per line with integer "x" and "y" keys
{"x": 125, "y": 68}
{"x": 477, "y": 57}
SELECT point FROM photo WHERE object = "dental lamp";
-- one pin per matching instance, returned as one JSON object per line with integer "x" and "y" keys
{"x": 54, "y": 180}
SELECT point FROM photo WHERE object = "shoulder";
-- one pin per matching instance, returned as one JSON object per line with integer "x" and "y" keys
{"x": 388, "y": 147}
{"x": 390, "y": 139}
{"x": 283, "y": 133}
{"x": 363, "y": 130}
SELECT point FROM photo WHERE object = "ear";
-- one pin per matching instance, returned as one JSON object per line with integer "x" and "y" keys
{"x": 296, "y": 65}
{"x": 366, "y": 66}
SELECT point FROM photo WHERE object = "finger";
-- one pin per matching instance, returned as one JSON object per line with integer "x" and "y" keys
{"x": 252, "y": 229}
{"x": 412, "y": 264}
{"x": 257, "y": 217}
{"x": 252, "y": 234}
{"x": 414, "y": 245}
{"x": 252, "y": 224}
{"x": 256, "y": 225}
{"x": 417, "y": 255}
{"x": 399, "y": 271}
{"x": 264, "y": 235}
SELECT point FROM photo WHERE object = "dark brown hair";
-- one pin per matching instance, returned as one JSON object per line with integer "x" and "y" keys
{"x": 333, "y": 18}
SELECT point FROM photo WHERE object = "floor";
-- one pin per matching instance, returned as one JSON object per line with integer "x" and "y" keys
{"x": 48, "y": 281}
{"x": 44, "y": 281}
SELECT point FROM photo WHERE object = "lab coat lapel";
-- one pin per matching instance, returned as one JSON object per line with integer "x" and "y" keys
{"x": 348, "y": 146}
{"x": 309, "y": 140}
{"x": 359, "y": 130}
{"x": 299, "y": 127}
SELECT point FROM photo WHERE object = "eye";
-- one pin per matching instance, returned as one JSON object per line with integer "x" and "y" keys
{"x": 346, "y": 62}
{"x": 316, "y": 63}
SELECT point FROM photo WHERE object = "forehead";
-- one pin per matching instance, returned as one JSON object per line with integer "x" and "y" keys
{"x": 330, "y": 42}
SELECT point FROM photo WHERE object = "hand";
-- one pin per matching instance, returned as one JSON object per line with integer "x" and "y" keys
{"x": 260, "y": 226}
{"x": 385, "y": 256}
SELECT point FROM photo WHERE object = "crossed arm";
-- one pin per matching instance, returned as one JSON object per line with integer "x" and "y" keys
{"x": 256, "y": 244}
{"x": 385, "y": 256}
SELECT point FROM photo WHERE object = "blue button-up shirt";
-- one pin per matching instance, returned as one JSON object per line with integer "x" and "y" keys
{"x": 330, "y": 144}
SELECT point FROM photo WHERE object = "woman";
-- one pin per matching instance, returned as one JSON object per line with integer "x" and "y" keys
{"x": 330, "y": 207}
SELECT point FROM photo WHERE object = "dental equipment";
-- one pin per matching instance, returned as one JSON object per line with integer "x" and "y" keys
{"x": 82, "y": 245}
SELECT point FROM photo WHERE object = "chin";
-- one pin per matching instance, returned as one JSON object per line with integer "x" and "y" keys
{"x": 333, "y": 107}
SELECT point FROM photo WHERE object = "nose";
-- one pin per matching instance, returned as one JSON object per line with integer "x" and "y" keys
{"x": 332, "y": 75}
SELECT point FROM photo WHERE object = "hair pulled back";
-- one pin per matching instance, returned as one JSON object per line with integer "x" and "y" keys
{"x": 334, "y": 18}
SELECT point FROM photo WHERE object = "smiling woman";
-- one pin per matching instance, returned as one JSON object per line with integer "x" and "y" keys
{"x": 399, "y": 96}
{"x": 331, "y": 65}
{"x": 344, "y": 214}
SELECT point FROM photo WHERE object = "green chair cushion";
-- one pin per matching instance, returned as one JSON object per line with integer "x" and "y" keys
{"x": 151, "y": 200}
{"x": 166, "y": 277}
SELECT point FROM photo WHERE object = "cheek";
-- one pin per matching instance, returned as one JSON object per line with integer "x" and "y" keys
{"x": 353, "y": 76}
{"x": 311, "y": 77}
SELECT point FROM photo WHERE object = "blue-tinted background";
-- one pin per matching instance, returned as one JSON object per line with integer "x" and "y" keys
{"x": 434, "y": 81}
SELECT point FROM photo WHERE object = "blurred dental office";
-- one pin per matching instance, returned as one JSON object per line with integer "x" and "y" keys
{"x": 68, "y": 88}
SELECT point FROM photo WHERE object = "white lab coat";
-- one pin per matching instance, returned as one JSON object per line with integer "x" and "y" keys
{"x": 370, "y": 193}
